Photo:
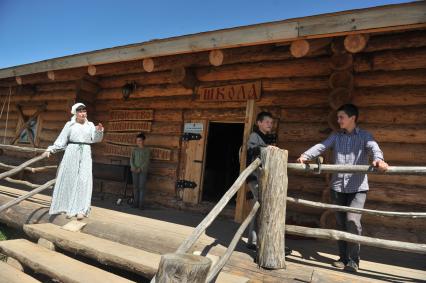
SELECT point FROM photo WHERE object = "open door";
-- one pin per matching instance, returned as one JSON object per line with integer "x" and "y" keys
{"x": 195, "y": 134}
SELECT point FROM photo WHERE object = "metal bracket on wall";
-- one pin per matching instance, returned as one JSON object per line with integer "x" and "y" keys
{"x": 191, "y": 136}
{"x": 183, "y": 184}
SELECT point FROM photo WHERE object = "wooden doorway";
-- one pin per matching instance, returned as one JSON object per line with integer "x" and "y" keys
{"x": 222, "y": 164}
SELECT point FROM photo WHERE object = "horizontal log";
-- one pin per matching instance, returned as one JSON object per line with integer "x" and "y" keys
{"x": 141, "y": 79}
{"x": 389, "y": 96}
{"x": 308, "y": 115}
{"x": 30, "y": 169}
{"x": 398, "y": 115}
{"x": 397, "y": 133}
{"x": 32, "y": 79}
{"x": 404, "y": 153}
{"x": 291, "y": 84}
{"x": 163, "y": 169}
{"x": 167, "y": 128}
{"x": 339, "y": 235}
{"x": 68, "y": 74}
{"x": 396, "y": 194}
{"x": 142, "y": 92}
{"x": 357, "y": 210}
{"x": 392, "y": 60}
{"x": 399, "y": 180}
{"x": 236, "y": 115}
{"x": 391, "y": 78}
{"x": 56, "y": 86}
{"x": 306, "y": 184}
{"x": 290, "y": 68}
{"x": 56, "y": 116}
{"x": 293, "y": 132}
{"x": 46, "y": 96}
{"x": 365, "y": 169}
{"x": 339, "y": 96}
{"x": 341, "y": 79}
{"x": 314, "y": 98}
{"x": 174, "y": 115}
{"x": 117, "y": 68}
{"x": 21, "y": 148}
{"x": 400, "y": 40}
{"x": 52, "y": 125}
{"x": 169, "y": 141}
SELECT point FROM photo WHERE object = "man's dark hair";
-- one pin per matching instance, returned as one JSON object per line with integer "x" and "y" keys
{"x": 350, "y": 110}
{"x": 141, "y": 136}
{"x": 262, "y": 115}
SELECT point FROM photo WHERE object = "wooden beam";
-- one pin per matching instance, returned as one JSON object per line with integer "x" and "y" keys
{"x": 345, "y": 236}
{"x": 355, "y": 43}
{"x": 241, "y": 202}
{"x": 390, "y": 17}
{"x": 273, "y": 185}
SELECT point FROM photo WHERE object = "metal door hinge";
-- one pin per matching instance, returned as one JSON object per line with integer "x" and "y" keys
{"x": 183, "y": 184}
{"x": 191, "y": 136}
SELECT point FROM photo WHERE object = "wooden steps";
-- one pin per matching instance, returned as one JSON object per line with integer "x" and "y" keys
{"x": 108, "y": 252}
{"x": 9, "y": 274}
{"x": 55, "y": 265}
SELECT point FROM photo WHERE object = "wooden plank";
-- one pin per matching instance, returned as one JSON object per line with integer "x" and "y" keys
{"x": 56, "y": 265}
{"x": 237, "y": 92}
{"x": 373, "y": 19}
{"x": 241, "y": 202}
{"x": 10, "y": 274}
{"x": 129, "y": 126}
{"x": 172, "y": 141}
{"x": 194, "y": 164}
{"x": 129, "y": 115}
{"x": 124, "y": 151}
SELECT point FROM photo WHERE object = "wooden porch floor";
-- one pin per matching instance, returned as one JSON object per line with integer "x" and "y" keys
{"x": 161, "y": 230}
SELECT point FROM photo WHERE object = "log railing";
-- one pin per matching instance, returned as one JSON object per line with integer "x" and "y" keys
{"x": 12, "y": 170}
{"x": 272, "y": 200}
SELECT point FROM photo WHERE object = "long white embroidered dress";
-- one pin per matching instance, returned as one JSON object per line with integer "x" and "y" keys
{"x": 73, "y": 188}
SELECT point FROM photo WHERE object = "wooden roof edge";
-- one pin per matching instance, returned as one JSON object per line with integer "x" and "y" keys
{"x": 377, "y": 19}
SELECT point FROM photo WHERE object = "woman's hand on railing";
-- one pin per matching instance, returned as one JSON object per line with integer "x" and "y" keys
{"x": 301, "y": 160}
{"x": 380, "y": 165}
{"x": 46, "y": 154}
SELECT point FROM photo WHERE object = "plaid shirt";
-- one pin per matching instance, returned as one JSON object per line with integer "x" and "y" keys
{"x": 349, "y": 149}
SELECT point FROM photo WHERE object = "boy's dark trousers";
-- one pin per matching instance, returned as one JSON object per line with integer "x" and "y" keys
{"x": 349, "y": 222}
{"x": 139, "y": 180}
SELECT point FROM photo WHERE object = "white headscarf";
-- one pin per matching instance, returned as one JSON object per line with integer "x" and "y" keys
{"x": 74, "y": 111}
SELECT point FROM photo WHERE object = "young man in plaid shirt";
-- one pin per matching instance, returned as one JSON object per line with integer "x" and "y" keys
{"x": 351, "y": 146}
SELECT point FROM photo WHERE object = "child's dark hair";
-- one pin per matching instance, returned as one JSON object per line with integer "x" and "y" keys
{"x": 350, "y": 110}
{"x": 141, "y": 136}
{"x": 262, "y": 115}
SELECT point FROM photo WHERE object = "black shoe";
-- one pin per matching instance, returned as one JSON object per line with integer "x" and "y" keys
{"x": 340, "y": 263}
{"x": 251, "y": 247}
{"x": 351, "y": 266}
{"x": 287, "y": 251}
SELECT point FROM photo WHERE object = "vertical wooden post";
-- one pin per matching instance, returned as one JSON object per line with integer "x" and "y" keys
{"x": 177, "y": 268}
{"x": 241, "y": 196}
{"x": 272, "y": 198}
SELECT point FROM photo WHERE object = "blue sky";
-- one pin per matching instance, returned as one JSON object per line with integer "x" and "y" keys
{"x": 32, "y": 30}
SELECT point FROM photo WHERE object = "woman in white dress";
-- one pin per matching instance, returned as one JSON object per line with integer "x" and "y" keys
{"x": 73, "y": 188}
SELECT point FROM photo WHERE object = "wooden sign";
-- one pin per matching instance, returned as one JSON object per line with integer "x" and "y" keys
{"x": 130, "y": 115}
{"x": 121, "y": 138}
{"x": 236, "y": 92}
{"x": 129, "y": 126}
{"x": 125, "y": 151}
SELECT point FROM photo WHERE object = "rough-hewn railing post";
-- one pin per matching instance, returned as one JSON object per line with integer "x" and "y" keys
{"x": 272, "y": 198}
{"x": 177, "y": 268}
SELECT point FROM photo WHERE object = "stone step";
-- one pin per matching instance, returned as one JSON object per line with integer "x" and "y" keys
{"x": 56, "y": 265}
{"x": 9, "y": 274}
{"x": 108, "y": 252}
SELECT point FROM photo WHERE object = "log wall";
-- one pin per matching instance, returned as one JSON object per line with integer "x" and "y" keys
{"x": 387, "y": 80}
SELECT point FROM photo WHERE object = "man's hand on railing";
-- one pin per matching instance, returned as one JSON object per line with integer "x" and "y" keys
{"x": 380, "y": 165}
{"x": 301, "y": 160}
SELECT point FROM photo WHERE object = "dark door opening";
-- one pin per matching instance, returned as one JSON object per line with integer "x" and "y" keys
{"x": 222, "y": 161}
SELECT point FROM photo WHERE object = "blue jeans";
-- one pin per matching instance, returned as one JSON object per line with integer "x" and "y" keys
{"x": 139, "y": 180}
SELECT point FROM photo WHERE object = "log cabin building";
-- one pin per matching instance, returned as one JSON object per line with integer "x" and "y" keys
{"x": 196, "y": 97}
